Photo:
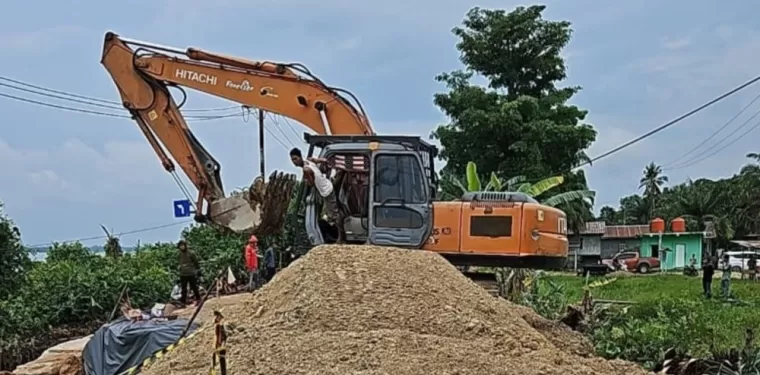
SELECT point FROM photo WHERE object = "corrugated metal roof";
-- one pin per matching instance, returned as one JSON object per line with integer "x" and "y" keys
{"x": 625, "y": 231}
{"x": 752, "y": 244}
{"x": 593, "y": 227}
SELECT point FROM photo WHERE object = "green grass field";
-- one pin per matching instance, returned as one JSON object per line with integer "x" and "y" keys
{"x": 724, "y": 322}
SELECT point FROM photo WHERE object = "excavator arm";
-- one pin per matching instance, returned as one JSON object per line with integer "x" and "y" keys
{"x": 143, "y": 74}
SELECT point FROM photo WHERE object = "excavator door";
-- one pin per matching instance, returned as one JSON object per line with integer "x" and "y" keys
{"x": 401, "y": 209}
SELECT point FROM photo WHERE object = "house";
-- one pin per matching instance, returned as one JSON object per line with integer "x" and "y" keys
{"x": 585, "y": 246}
{"x": 675, "y": 249}
{"x": 598, "y": 240}
{"x": 618, "y": 238}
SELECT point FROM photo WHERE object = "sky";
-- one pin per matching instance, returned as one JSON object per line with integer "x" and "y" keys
{"x": 640, "y": 64}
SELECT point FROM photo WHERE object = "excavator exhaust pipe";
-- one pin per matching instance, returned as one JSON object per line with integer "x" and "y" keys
{"x": 261, "y": 209}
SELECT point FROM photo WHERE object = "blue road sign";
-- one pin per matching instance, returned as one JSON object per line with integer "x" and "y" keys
{"x": 182, "y": 208}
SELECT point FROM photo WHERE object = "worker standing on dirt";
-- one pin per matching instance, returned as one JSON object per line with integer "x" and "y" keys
{"x": 189, "y": 270}
{"x": 314, "y": 177}
{"x": 725, "y": 279}
{"x": 708, "y": 270}
{"x": 252, "y": 261}
{"x": 220, "y": 342}
{"x": 269, "y": 263}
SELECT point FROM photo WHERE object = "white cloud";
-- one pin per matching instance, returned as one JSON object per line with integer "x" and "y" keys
{"x": 676, "y": 43}
{"x": 75, "y": 171}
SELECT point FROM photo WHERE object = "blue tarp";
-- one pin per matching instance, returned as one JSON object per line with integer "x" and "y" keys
{"x": 123, "y": 343}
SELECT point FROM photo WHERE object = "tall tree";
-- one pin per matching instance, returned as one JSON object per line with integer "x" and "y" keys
{"x": 652, "y": 182}
{"x": 14, "y": 257}
{"x": 520, "y": 124}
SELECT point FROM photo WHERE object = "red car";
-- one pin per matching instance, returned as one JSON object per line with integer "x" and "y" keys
{"x": 633, "y": 262}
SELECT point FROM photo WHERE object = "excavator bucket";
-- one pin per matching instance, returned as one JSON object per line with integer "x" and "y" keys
{"x": 261, "y": 209}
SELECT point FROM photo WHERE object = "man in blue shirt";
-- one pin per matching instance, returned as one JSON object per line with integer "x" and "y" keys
{"x": 269, "y": 263}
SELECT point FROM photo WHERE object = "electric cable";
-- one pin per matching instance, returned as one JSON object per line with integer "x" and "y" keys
{"x": 731, "y": 120}
{"x": 716, "y": 144}
{"x": 273, "y": 119}
{"x": 83, "y": 239}
{"x": 670, "y": 123}
{"x": 248, "y": 110}
{"x": 98, "y": 100}
{"x": 101, "y": 113}
{"x": 686, "y": 165}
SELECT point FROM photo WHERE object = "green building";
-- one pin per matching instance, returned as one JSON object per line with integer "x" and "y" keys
{"x": 675, "y": 250}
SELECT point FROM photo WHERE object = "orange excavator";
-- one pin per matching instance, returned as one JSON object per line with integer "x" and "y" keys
{"x": 388, "y": 184}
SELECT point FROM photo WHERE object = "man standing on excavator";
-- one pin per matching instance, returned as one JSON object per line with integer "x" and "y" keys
{"x": 313, "y": 176}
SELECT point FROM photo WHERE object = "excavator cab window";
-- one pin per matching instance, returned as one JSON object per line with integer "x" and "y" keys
{"x": 401, "y": 206}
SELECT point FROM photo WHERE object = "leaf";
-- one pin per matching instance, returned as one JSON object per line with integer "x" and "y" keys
{"x": 524, "y": 187}
{"x": 458, "y": 183}
{"x": 544, "y": 185}
{"x": 570, "y": 196}
{"x": 473, "y": 181}
{"x": 510, "y": 183}
{"x": 495, "y": 183}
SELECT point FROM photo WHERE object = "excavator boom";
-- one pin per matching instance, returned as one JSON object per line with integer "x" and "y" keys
{"x": 144, "y": 72}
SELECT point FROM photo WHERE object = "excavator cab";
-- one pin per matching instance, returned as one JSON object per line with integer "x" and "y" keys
{"x": 385, "y": 186}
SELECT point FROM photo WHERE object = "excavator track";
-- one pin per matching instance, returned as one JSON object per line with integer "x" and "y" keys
{"x": 485, "y": 280}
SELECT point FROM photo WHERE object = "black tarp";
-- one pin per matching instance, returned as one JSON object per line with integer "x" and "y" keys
{"x": 117, "y": 346}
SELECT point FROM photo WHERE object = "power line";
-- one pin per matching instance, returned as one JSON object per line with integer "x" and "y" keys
{"x": 61, "y": 107}
{"x": 99, "y": 100}
{"x": 61, "y": 97}
{"x": 716, "y": 144}
{"x": 718, "y": 150}
{"x": 101, "y": 113}
{"x": 731, "y": 120}
{"x": 671, "y": 123}
{"x": 274, "y": 119}
{"x": 83, "y": 239}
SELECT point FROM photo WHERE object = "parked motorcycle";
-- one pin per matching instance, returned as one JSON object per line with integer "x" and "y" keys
{"x": 690, "y": 271}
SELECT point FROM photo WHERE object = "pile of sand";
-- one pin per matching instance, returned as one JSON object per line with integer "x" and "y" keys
{"x": 374, "y": 310}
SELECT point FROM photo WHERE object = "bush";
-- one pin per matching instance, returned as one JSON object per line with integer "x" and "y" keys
{"x": 641, "y": 333}
{"x": 669, "y": 312}
{"x": 74, "y": 286}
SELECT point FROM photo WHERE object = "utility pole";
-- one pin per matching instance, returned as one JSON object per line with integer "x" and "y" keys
{"x": 261, "y": 141}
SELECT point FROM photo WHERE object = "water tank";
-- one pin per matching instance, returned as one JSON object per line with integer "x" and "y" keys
{"x": 657, "y": 225}
{"x": 678, "y": 225}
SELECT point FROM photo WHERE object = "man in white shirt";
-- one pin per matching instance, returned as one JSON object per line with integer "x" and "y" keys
{"x": 314, "y": 177}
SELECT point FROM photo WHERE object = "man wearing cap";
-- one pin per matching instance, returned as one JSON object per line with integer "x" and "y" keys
{"x": 252, "y": 261}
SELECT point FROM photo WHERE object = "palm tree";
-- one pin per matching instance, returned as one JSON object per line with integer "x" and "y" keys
{"x": 754, "y": 167}
{"x": 755, "y": 156}
{"x": 652, "y": 182}
{"x": 700, "y": 204}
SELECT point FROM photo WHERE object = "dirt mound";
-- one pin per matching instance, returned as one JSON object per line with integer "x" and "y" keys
{"x": 375, "y": 310}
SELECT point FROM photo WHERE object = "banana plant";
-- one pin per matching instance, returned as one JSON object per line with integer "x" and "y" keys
{"x": 520, "y": 184}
